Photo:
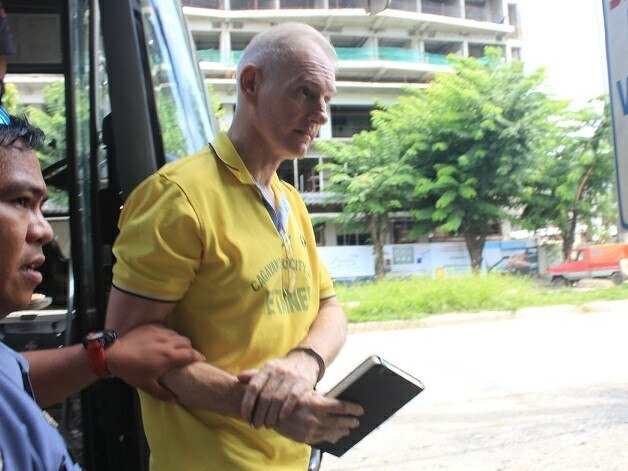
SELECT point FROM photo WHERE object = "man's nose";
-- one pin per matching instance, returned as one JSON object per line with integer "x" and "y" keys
{"x": 40, "y": 229}
{"x": 319, "y": 114}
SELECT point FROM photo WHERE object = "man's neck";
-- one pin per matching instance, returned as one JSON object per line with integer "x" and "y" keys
{"x": 259, "y": 161}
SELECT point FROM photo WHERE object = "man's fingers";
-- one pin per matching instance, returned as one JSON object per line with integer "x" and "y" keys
{"x": 341, "y": 422}
{"x": 187, "y": 356}
{"x": 288, "y": 407}
{"x": 345, "y": 408}
{"x": 273, "y": 412}
{"x": 270, "y": 398}
{"x": 248, "y": 400}
{"x": 245, "y": 376}
{"x": 251, "y": 395}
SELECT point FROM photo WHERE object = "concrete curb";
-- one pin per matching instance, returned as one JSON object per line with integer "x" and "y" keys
{"x": 436, "y": 320}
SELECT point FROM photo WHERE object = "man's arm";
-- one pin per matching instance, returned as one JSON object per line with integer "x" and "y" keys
{"x": 274, "y": 391}
{"x": 198, "y": 385}
{"x": 204, "y": 386}
{"x": 139, "y": 358}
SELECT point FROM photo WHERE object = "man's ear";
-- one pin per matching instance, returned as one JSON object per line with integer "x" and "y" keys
{"x": 249, "y": 82}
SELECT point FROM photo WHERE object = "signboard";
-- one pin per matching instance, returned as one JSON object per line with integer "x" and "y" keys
{"x": 348, "y": 262}
{"x": 616, "y": 22}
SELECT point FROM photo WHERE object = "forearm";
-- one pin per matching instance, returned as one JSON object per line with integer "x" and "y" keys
{"x": 48, "y": 366}
{"x": 201, "y": 385}
{"x": 328, "y": 332}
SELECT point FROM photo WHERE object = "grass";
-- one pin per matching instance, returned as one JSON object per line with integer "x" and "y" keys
{"x": 419, "y": 296}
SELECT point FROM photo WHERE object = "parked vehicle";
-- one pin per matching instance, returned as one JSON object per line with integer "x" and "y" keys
{"x": 595, "y": 261}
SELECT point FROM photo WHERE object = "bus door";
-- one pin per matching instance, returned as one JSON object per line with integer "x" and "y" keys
{"x": 134, "y": 99}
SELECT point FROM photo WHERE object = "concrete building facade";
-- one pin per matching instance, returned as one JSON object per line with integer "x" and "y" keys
{"x": 404, "y": 45}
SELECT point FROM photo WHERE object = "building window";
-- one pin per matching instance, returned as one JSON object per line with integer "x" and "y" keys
{"x": 513, "y": 17}
{"x": 477, "y": 50}
{"x": 484, "y": 10}
{"x": 349, "y": 120}
{"x": 345, "y": 4}
{"x": 405, "y": 5}
{"x": 353, "y": 238}
{"x": 443, "y": 47}
{"x": 319, "y": 234}
{"x": 297, "y": 4}
{"x": 401, "y": 229}
{"x": 207, "y": 41}
{"x": 304, "y": 170}
{"x": 441, "y": 7}
{"x": 214, "y": 4}
{"x": 253, "y": 4}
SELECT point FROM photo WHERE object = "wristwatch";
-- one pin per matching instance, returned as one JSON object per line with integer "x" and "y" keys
{"x": 95, "y": 344}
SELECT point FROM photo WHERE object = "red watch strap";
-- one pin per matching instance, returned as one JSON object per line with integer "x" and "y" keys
{"x": 96, "y": 358}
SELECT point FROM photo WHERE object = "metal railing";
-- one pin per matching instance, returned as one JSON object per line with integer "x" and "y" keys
{"x": 394, "y": 54}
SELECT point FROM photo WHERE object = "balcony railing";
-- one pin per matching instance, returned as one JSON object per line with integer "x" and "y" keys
{"x": 214, "y": 55}
{"x": 394, "y": 54}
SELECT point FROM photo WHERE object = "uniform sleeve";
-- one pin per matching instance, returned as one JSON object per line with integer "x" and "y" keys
{"x": 159, "y": 249}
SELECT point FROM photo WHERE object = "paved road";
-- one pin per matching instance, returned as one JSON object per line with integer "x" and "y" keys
{"x": 542, "y": 391}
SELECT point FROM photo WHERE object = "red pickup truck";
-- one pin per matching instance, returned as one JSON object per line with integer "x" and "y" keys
{"x": 595, "y": 261}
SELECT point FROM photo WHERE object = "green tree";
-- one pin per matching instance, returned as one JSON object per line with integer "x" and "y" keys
{"x": 470, "y": 137}
{"x": 10, "y": 101}
{"x": 172, "y": 135}
{"x": 371, "y": 180}
{"x": 51, "y": 119}
{"x": 574, "y": 181}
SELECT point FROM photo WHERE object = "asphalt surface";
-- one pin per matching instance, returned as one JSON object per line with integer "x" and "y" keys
{"x": 537, "y": 389}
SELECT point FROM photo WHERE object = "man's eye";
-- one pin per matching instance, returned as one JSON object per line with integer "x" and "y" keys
{"x": 305, "y": 91}
{"x": 21, "y": 201}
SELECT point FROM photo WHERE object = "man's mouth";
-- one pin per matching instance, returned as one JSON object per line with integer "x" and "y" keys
{"x": 31, "y": 270}
{"x": 308, "y": 132}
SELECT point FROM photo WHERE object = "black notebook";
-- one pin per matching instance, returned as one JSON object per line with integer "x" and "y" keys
{"x": 381, "y": 389}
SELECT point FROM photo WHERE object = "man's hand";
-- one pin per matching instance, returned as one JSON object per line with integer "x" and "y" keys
{"x": 273, "y": 391}
{"x": 320, "y": 419}
{"x": 143, "y": 355}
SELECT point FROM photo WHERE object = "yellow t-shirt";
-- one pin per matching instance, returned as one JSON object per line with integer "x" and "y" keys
{"x": 197, "y": 232}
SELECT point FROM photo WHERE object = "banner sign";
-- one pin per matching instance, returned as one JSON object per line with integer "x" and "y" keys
{"x": 616, "y": 26}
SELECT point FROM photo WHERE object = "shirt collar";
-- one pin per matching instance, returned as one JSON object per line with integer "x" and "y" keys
{"x": 228, "y": 154}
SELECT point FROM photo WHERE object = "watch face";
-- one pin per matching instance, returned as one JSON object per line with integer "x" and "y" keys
{"x": 94, "y": 336}
{"x": 104, "y": 337}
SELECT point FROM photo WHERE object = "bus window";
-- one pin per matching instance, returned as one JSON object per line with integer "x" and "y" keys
{"x": 182, "y": 109}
